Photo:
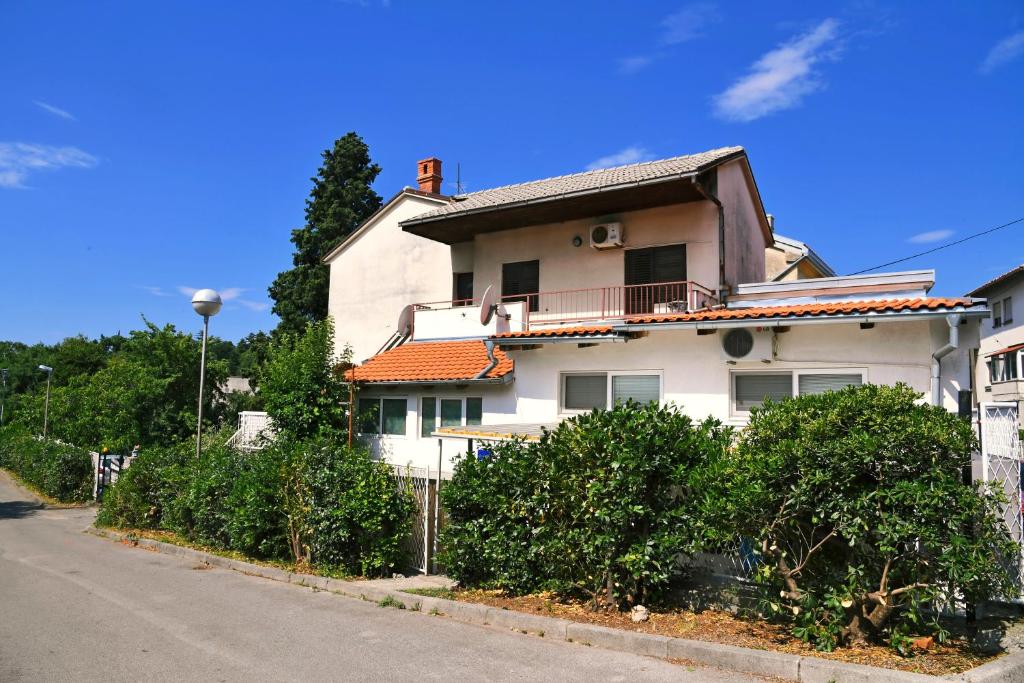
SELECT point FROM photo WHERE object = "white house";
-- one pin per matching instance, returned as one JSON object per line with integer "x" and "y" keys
{"x": 1000, "y": 359}
{"x": 659, "y": 281}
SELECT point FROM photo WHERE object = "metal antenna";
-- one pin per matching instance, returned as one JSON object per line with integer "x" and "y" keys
{"x": 458, "y": 177}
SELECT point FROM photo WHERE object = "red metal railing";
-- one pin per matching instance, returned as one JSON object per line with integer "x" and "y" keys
{"x": 603, "y": 303}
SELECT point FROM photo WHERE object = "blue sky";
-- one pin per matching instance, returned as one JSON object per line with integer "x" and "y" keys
{"x": 148, "y": 148}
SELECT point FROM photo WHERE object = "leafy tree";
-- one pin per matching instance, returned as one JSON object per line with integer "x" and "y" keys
{"x": 301, "y": 389}
{"x": 858, "y": 512}
{"x": 340, "y": 200}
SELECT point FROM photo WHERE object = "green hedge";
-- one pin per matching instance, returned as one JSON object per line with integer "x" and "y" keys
{"x": 598, "y": 507}
{"x": 60, "y": 471}
{"x": 313, "y": 502}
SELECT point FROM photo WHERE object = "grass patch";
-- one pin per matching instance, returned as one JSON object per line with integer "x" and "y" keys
{"x": 389, "y": 601}
{"x": 445, "y": 593}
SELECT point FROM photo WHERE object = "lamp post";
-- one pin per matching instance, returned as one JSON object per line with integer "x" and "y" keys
{"x": 205, "y": 302}
{"x": 46, "y": 410}
{"x": 3, "y": 376}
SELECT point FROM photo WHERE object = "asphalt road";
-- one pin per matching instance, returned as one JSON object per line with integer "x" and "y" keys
{"x": 74, "y": 607}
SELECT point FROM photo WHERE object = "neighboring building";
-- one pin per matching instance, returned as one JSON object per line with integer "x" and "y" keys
{"x": 649, "y": 281}
{"x": 237, "y": 385}
{"x": 790, "y": 259}
{"x": 999, "y": 374}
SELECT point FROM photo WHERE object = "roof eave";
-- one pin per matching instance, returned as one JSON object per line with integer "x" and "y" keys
{"x": 504, "y": 379}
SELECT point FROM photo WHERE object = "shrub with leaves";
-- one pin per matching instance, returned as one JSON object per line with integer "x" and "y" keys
{"x": 857, "y": 506}
{"x": 59, "y": 470}
{"x": 598, "y": 507}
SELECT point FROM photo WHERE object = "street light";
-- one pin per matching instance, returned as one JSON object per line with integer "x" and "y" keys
{"x": 46, "y": 411}
{"x": 3, "y": 376}
{"x": 205, "y": 302}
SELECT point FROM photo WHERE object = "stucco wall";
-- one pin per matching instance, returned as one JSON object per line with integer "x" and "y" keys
{"x": 744, "y": 239}
{"x": 564, "y": 266}
{"x": 381, "y": 271}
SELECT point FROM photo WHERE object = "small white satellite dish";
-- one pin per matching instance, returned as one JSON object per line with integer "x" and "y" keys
{"x": 405, "y": 321}
{"x": 488, "y": 305}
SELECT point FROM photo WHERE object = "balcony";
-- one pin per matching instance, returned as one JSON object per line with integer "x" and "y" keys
{"x": 450, "y": 319}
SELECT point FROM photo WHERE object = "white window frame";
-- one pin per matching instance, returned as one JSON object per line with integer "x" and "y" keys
{"x": 380, "y": 416}
{"x": 1007, "y": 310}
{"x": 795, "y": 374}
{"x": 437, "y": 412}
{"x": 609, "y": 374}
{"x": 1013, "y": 359}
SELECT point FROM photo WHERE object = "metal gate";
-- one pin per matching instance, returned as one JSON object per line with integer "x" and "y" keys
{"x": 1000, "y": 461}
{"x": 421, "y": 544}
{"x": 106, "y": 468}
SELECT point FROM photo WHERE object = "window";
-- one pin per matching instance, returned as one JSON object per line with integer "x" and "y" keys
{"x": 582, "y": 392}
{"x": 463, "y": 286}
{"x": 474, "y": 411}
{"x": 750, "y": 389}
{"x": 997, "y": 314}
{"x": 650, "y": 266}
{"x": 1004, "y": 367}
{"x": 449, "y": 412}
{"x": 1008, "y": 310}
{"x": 428, "y": 416}
{"x": 519, "y": 279}
{"x": 382, "y": 416}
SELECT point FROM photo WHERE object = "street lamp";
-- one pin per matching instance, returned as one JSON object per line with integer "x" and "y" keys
{"x": 205, "y": 302}
{"x": 46, "y": 411}
{"x": 3, "y": 376}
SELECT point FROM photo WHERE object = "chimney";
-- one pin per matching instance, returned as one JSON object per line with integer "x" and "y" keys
{"x": 428, "y": 175}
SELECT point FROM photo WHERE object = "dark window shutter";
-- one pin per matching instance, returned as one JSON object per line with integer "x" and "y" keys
{"x": 463, "y": 288}
{"x": 670, "y": 263}
{"x": 522, "y": 277}
{"x": 639, "y": 266}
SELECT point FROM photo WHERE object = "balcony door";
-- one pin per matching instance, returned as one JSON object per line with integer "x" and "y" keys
{"x": 520, "y": 279}
{"x": 646, "y": 272}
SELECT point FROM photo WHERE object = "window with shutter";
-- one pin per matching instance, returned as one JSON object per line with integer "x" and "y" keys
{"x": 650, "y": 266}
{"x": 641, "y": 388}
{"x": 819, "y": 384}
{"x": 519, "y": 279}
{"x": 585, "y": 392}
{"x": 751, "y": 389}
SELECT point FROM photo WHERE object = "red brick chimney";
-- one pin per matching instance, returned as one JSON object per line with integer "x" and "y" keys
{"x": 429, "y": 175}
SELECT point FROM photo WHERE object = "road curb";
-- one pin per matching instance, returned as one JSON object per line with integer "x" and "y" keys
{"x": 1008, "y": 669}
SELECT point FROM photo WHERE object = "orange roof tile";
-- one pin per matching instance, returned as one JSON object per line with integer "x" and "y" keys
{"x": 431, "y": 362}
{"x": 823, "y": 309}
{"x": 576, "y": 331}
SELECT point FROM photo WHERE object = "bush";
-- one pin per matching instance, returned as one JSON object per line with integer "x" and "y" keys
{"x": 856, "y": 504}
{"x": 317, "y": 502}
{"x": 58, "y": 470}
{"x": 598, "y": 507}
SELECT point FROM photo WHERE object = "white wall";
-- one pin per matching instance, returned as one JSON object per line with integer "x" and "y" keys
{"x": 745, "y": 242}
{"x": 996, "y": 338}
{"x": 382, "y": 270}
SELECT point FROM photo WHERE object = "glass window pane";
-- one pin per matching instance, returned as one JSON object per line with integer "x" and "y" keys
{"x": 369, "y": 415}
{"x": 474, "y": 411}
{"x": 752, "y": 389}
{"x": 1008, "y": 310}
{"x": 428, "y": 416}
{"x": 641, "y": 388}
{"x": 451, "y": 412}
{"x": 997, "y": 314}
{"x": 393, "y": 415}
{"x": 585, "y": 392}
{"x": 819, "y": 384}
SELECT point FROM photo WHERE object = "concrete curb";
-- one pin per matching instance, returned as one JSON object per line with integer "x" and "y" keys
{"x": 1008, "y": 669}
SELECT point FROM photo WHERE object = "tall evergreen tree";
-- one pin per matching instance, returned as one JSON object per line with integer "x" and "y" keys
{"x": 341, "y": 199}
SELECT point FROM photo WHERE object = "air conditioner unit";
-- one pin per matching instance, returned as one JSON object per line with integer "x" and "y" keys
{"x": 606, "y": 236}
{"x": 747, "y": 344}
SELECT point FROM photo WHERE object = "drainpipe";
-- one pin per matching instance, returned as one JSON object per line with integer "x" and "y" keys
{"x": 490, "y": 354}
{"x": 710, "y": 196}
{"x": 953, "y": 320}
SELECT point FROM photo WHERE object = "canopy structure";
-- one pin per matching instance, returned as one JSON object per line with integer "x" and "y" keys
{"x": 502, "y": 432}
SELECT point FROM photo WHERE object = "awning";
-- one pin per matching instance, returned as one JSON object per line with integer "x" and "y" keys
{"x": 1008, "y": 349}
{"x": 502, "y": 432}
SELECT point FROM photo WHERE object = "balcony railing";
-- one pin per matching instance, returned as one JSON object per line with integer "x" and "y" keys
{"x": 599, "y": 303}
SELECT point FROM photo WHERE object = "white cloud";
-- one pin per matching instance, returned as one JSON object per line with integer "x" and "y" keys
{"x": 631, "y": 65}
{"x": 930, "y": 236}
{"x": 629, "y": 155}
{"x": 20, "y": 159}
{"x": 155, "y": 291}
{"x": 780, "y": 78}
{"x": 254, "y": 305}
{"x": 1006, "y": 50}
{"x": 689, "y": 22}
{"x": 56, "y": 111}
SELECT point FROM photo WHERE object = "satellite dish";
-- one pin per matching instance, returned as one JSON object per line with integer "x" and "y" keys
{"x": 488, "y": 305}
{"x": 503, "y": 319}
{"x": 405, "y": 320}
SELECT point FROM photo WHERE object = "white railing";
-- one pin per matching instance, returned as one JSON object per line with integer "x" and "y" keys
{"x": 255, "y": 429}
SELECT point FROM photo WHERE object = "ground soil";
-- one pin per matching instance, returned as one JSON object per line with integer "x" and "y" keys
{"x": 954, "y": 656}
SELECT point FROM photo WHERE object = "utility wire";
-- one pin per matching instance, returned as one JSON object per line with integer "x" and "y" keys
{"x": 944, "y": 246}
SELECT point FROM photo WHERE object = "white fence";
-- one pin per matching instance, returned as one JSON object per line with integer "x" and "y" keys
{"x": 1000, "y": 461}
{"x": 255, "y": 429}
{"x": 424, "y": 484}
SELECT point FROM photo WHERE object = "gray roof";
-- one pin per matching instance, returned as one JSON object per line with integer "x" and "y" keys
{"x": 619, "y": 176}
{"x": 1008, "y": 275}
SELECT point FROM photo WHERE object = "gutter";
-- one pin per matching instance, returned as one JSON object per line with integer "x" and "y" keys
{"x": 493, "y": 360}
{"x": 953, "y": 320}
{"x": 710, "y": 196}
{"x": 522, "y": 341}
